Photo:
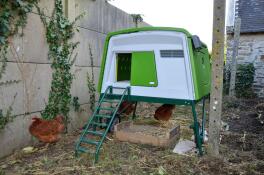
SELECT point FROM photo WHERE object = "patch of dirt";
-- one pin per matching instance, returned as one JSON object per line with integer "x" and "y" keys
{"x": 243, "y": 144}
{"x": 248, "y": 123}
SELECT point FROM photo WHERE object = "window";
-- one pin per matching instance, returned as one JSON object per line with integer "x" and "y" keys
{"x": 171, "y": 53}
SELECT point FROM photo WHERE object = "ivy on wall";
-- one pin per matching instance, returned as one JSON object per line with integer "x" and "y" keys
{"x": 75, "y": 103}
{"x": 13, "y": 18}
{"x": 137, "y": 18}
{"x": 244, "y": 81}
{"x": 90, "y": 82}
{"x": 7, "y": 117}
{"x": 59, "y": 32}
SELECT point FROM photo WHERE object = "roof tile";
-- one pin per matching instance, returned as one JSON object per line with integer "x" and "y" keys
{"x": 251, "y": 13}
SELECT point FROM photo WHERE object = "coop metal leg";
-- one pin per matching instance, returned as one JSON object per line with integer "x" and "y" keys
{"x": 196, "y": 130}
{"x": 111, "y": 89}
{"x": 76, "y": 154}
{"x": 134, "y": 112}
{"x": 203, "y": 119}
{"x": 96, "y": 157}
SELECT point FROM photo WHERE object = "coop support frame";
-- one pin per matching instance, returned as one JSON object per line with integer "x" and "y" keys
{"x": 198, "y": 129}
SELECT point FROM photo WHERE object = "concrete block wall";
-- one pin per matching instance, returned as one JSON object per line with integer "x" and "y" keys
{"x": 28, "y": 62}
{"x": 251, "y": 50}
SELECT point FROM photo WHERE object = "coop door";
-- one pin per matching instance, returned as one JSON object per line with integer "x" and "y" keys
{"x": 143, "y": 69}
{"x": 123, "y": 67}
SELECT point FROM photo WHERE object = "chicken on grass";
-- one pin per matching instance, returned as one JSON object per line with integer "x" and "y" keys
{"x": 47, "y": 131}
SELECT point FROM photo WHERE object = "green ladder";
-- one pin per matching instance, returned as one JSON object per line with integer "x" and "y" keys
{"x": 96, "y": 122}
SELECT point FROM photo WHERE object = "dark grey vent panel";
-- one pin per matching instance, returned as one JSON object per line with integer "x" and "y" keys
{"x": 171, "y": 53}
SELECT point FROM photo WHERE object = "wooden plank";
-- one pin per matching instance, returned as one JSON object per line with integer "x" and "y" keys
{"x": 217, "y": 77}
{"x": 233, "y": 68}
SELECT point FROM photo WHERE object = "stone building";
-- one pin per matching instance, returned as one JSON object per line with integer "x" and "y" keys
{"x": 251, "y": 42}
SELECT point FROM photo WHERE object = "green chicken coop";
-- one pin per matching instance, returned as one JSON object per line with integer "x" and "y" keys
{"x": 150, "y": 64}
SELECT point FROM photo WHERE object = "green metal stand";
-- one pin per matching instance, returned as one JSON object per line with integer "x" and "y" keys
{"x": 94, "y": 123}
{"x": 203, "y": 119}
{"x": 98, "y": 120}
{"x": 134, "y": 112}
{"x": 198, "y": 130}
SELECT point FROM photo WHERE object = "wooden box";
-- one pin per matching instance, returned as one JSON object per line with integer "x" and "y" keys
{"x": 145, "y": 134}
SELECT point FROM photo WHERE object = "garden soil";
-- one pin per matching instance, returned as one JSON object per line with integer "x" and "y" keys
{"x": 241, "y": 150}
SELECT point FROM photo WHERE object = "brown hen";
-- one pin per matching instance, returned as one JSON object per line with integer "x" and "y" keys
{"x": 164, "y": 112}
{"x": 47, "y": 131}
{"x": 126, "y": 107}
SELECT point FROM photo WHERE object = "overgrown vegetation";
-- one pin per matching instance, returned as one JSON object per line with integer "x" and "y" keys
{"x": 75, "y": 103}
{"x": 137, "y": 18}
{"x": 7, "y": 116}
{"x": 13, "y": 18}
{"x": 244, "y": 81}
{"x": 245, "y": 77}
{"x": 90, "y": 81}
{"x": 59, "y": 32}
{"x": 2, "y": 172}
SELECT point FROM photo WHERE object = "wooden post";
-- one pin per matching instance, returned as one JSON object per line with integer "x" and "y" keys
{"x": 233, "y": 68}
{"x": 217, "y": 76}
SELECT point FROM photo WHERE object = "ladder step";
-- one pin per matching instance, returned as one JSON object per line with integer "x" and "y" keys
{"x": 90, "y": 141}
{"x": 103, "y": 116}
{"x": 110, "y": 101}
{"x": 81, "y": 149}
{"x": 99, "y": 124}
{"x": 119, "y": 88}
{"x": 107, "y": 109}
{"x": 95, "y": 133}
{"x": 84, "y": 150}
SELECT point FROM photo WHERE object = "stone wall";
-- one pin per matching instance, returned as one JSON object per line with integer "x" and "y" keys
{"x": 251, "y": 50}
{"x": 28, "y": 63}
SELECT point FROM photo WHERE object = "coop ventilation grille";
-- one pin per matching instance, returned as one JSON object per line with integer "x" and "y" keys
{"x": 171, "y": 53}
